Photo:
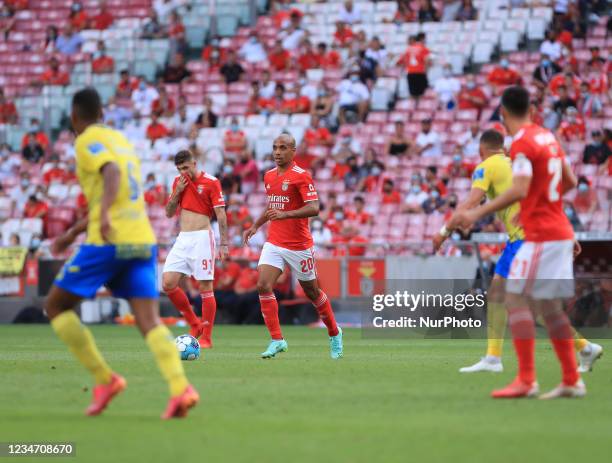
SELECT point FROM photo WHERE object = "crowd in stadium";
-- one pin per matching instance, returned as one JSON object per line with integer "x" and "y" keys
{"x": 401, "y": 167}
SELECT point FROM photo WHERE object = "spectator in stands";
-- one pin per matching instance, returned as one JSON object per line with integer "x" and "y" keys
{"x": 585, "y": 202}
{"x": 472, "y": 97}
{"x": 458, "y": 168}
{"x": 247, "y": 172}
{"x": 349, "y": 13}
{"x": 596, "y": 152}
{"x": 298, "y": 103}
{"x": 207, "y": 118}
{"x": 56, "y": 174}
{"x": 413, "y": 202}
{"x": 78, "y": 17}
{"x": 214, "y": 54}
{"x": 427, "y": 12}
{"x": 115, "y": 115}
{"x": 572, "y": 126}
{"x": 51, "y": 35}
{"x": 143, "y": 97}
{"x": 353, "y": 98}
{"x": 35, "y": 131}
{"x": 275, "y": 104}
{"x": 308, "y": 59}
{"x": 589, "y": 104}
{"x": 127, "y": 84}
{"x": 279, "y": 58}
{"x": 308, "y": 88}
{"x": 154, "y": 193}
{"x": 377, "y": 52}
{"x": 389, "y": 194}
{"x": 231, "y": 70}
{"x": 104, "y": 19}
{"x": 7, "y": 20}
{"x": 596, "y": 59}
{"x": 321, "y": 235}
{"x": 176, "y": 32}
{"x": 432, "y": 181}
{"x": 8, "y": 111}
{"x": 545, "y": 71}
{"x": 152, "y": 28}
{"x": 428, "y": 143}
{"x": 323, "y": 105}
{"x": 317, "y": 135}
{"x": 53, "y": 75}
{"x": 165, "y": 7}
{"x": 563, "y": 102}
{"x": 550, "y": 46}
{"x": 328, "y": 59}
{"x": 468, "y": 143}
{"x": 234, "y": 140}
{"x": 229, "y": 182}
{"x": 8, "y": 163}
{"x": 176, "y": 71}
{"x": 35, "y": 208}
{"x": 254, "y": 97}
{"x": 101, "y": 62}
{"x": 346, "y": 145}
{"x": 292, "y": 36}
{"x": 22, "y": 191}
{"x": 446, "y": 87}
{"x": 354, "y": 243}
{"x": 503, "y": 75}
{"x": 156, "y": 130}
{"x": 343, "y": 36}
{"x": 180, "y": 124}
{"x": 467, "y": 11}
{"x": 372, "y": 174}
{"x": 252, "y": 51}
{"x": 567, "y": 79}
{"x": 398, "y": 144}
{"x": 353, "y": 177}
{"x": 14, "y": 240}
{"x": 357, "y": 213}
{"x": 404, "y": 13}
{"x": 266, "y": 86}
{"x": 163, "y": 105}
{"x": 31, "y": 149}
{"x": 434, "y": 201}
{"x": 69, "y": 42}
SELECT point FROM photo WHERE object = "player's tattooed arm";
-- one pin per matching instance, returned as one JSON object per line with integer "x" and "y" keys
{"x": 175, "y": 197}
{"x": 222, "y": 220}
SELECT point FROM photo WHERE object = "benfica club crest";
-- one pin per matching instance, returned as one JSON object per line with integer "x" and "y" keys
{"x": 200, "y": 189}
{"x": 285, "y": 185}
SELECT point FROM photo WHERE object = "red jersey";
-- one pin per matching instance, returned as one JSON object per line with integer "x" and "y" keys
{"x": 102, "y": 65}
{"x": 102, "y": 21}
{"x": 289, "y": 192}
{"x": 573, "y": 131}
{"x": 7, "y": 111}
{"x": 415, "y": 59}
{"x": 309, "y": 61}
{"x": 201, "y": 195}
{"x": 536, "y": 150}
{"x": 501, "y": 76}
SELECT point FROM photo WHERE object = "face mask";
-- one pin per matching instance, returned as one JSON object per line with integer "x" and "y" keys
{"x": 346, "y": 140}
{"x": 253, "y": 40}
{"x": 35, "y": 128}
{"x": 545, "y": 63}
{"x": 35, "y": 243}
{"x": 457, "y": 158}
{"x": 338, "y": 215}
{"x": 236, "y": 241}
{"x": 416, "y": 189}
{"x": 317, "y": 226}
{"x": 227, "y": 169}
{"x": 447, "y": 73}
{"x": 214, "y": 43}
{"x": 321, "y": 93}
{"x": 253, "y": 265}
{"x": 142, "y": 86}
{"x": 376, "y": 171}
{"x": 504, "y": 64}
{"x": 354, "y": 78}
{"x": 583, "y": 187}
{"x": 470, "y": 85}
{"x": 435, "y": 194}
{"x": 302, "y": 82}
{"x": 568, "y": 211}
{"x": 415, "y": 178}
{"x": 76, "y": 8}
{"x": 455, "y": 236}
{"x": 149, "y": 184}
{"x": 234, "y": 127}
{"x": 25, "y": 183}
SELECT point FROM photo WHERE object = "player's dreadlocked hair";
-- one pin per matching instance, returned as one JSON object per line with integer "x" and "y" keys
{"x": 87, "y": 104}
{"x": 182, "y": 156}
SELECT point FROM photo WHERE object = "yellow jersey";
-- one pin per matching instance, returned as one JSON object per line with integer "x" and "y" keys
{"x": 494, "y": 176}
{"x": 96, "y": 146}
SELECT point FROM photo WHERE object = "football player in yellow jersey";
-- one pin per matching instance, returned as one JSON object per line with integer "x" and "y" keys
{"x": 120, "y": 252}
{"x": 492, "y": 177}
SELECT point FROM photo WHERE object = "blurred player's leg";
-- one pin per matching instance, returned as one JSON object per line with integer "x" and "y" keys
{"x": 321, "y": 303}
{"x": 522, "y": 326}
{"x": 170, "y": 283}
{"x": 268, "y": 275}
{"x": 161, "y": 343}
{"x": 68, "y": 327}
{"x": 209, "y": 310}
{"x": 496, "y": 328}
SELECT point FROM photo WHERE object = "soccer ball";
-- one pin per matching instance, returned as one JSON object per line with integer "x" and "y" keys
{"x": 188, "y": 347}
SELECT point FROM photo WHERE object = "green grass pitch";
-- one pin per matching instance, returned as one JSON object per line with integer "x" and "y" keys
{"x": 385, "y": 401}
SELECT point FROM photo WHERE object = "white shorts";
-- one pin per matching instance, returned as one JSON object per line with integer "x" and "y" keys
{"x": 302, "y": 263}
{"x": 193, "y": 253}
{"x": 543, "y": 270}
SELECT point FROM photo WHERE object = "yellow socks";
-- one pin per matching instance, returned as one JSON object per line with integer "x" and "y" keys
{"x": 579, "y": 342}
{"x": 79, "y": 340}
{"x": 496, "y": 328}
{"x": 161, "y": 343}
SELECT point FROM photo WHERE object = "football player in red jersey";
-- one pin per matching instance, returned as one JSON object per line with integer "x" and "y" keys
{"x": 541, "y": 273}
{"x": 292, "y": 199}
{"x": 193, "y": 254}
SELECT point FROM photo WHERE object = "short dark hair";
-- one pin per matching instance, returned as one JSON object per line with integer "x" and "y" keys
{"x": 358, "y": 198}
{"x": 87, "y": 104}
{"x": 182, "y": 157}
{"x": 515, "y": 100}
{"x": 432, "y": 169}
{"x": 493, "y": 139}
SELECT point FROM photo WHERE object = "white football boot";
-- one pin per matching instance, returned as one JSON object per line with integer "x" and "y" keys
{"x": 588, "y": 356}
{"x": 488, "y": 363}
{"x": 565, "y": 391}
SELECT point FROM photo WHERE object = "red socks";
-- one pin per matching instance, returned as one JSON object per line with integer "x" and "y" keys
{"x": 326, "y": 313}
{"x": 269, "y": 310}
{"x": 209, "y": 309}
{"x": 562, "y": 339}
{"x": 523, "y": 335}
{"x": 180, "y": 301}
